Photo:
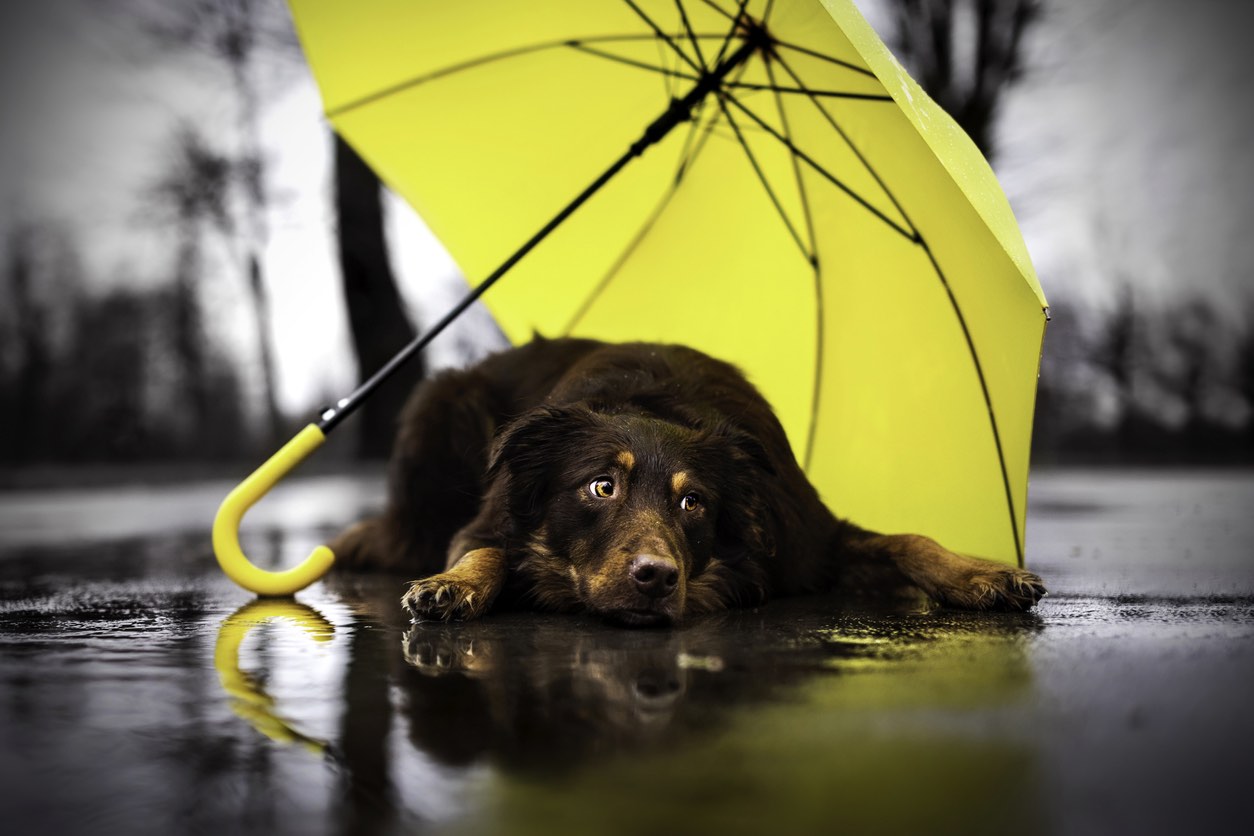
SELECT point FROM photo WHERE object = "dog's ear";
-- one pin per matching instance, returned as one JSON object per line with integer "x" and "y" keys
{"x": 527, "y": 454}
{"x": 748, "y": 490}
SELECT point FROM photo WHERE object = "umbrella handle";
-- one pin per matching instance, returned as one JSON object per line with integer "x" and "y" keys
{"x": 226, "y": 524}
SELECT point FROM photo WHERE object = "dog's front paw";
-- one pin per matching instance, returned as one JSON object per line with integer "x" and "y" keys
{"x": 995, "y": 588}
{"x": 444, "y": 598}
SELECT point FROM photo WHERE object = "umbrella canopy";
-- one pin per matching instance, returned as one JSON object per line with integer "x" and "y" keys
{"x": 817, "y": 220}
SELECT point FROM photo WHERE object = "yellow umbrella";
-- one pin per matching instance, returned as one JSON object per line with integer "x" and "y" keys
{"x": 760, "y": 180}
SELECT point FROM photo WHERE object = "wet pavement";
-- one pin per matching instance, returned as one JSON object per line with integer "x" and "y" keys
{"x": 141, "y": 692}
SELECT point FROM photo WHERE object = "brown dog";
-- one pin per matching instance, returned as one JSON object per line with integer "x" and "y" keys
{"x": 638, "y": 482}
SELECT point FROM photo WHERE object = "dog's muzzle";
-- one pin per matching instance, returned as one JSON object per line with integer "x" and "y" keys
{"x": 653, "y": 576}
{"x": 655, "y": 582}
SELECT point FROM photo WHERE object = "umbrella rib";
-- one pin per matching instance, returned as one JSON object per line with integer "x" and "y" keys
{"x": 722, "y": 50}
{"x": 667, "y": 38}
{"x": 687, "y": 158}
{"x": 632, "y": 62}
{"x": 819, "y": 325}
{"x": 757, "y": 169}
{"x": 988, "y": 400}
{"x": 801, "y": 190}
{"x": 692, "y": 37}
{"x": 687, "y": 154}
{"x": 668, "y": 77}
{"x": 833, "y": 94}
{"x": 831, "y": 120}
{"x": 481, "y": 60}
{"x": 815, "y": 54}
{"x": 833, "y": 179}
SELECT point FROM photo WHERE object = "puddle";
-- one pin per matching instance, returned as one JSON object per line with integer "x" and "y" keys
{"x": 142, "y": 692}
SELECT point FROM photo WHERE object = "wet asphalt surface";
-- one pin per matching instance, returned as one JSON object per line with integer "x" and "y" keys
{"x": 141, "y": 692}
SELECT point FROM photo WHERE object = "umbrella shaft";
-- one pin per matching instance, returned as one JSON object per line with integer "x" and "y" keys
{"x": 679, "y": 111}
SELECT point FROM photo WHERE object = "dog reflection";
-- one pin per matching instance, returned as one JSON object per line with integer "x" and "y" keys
{"x": 536, "y": 693}
{"x": 602, "y": 691}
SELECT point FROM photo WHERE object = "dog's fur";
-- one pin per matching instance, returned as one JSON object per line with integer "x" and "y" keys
{"x": 638, "y": 482}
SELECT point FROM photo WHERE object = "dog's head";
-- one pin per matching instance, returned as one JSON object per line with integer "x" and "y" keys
{"x": 630, "y": 516}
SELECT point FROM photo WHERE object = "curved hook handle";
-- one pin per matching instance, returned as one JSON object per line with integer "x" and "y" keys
{"x": 226, "y": 524}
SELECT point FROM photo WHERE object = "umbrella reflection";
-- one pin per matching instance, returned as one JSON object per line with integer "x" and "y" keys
{"x": 249, "y": 699}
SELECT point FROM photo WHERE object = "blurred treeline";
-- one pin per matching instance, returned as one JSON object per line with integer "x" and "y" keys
{"x": 1168, "y": 382}
{"x": 134, "y": 374}
{"x": 122, "y": 375}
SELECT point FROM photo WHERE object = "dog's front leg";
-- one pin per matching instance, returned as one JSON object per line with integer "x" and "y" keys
{"x": 948, "y": 578}
{"x": 464, "y": 591}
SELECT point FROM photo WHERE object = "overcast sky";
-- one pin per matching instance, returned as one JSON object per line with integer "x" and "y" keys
{"x": 1128, "y": 148}
{"x": 1126, "y": 151}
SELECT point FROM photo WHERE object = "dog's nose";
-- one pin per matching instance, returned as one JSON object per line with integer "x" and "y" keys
{"x": 655, "y": 576}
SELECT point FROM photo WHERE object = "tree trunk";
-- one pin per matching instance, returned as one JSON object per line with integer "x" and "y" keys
{"x": 252, "y": 183}
{"x": 376, "y": 315}
{"x": 265, "y": 346}
{"x": 189, "y": 335}
{"x": 26, "y": 440}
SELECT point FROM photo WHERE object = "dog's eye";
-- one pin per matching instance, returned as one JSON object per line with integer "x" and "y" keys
{"x": 690, "y": 502}
{"x": 601, "y": 488}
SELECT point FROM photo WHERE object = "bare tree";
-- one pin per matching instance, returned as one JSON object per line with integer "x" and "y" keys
{"x": 1115, "y": 353}
{"x": 1196, "y": 336}
{"x": 193, "y": 193}
{"x": 240, "y": 33}
{"x": 41, "y": 288}
{"x": 237, "y": 39}
{"x": 1245, "y": 370}
{"x": 112, "y": 361}
{"x": 34, "y": 359}
{"x": 964, "y": 53}
{"x": 234, "y": 31}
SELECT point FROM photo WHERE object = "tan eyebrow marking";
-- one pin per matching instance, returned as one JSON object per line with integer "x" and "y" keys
{"x": 679, "y": 481}
{"x": 627, "y": 460}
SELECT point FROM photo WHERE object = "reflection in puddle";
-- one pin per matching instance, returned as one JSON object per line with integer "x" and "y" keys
{"x": 552, "y": 693}
{"x": 813, "y": 712}
{"x": 542, "y": 693}
{"x": 821, "y": 716}
{"x": 249, "y": 699}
